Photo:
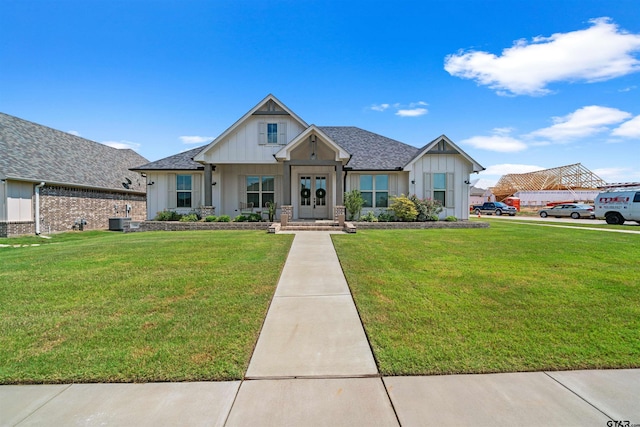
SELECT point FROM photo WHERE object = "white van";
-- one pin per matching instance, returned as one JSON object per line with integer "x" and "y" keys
{"x": 618, "y": 206}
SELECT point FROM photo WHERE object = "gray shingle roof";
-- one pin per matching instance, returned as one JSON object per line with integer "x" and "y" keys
{"x": 180, "y": 161}
{"x": 370, "y": 151}
{"x": 32, "y": 152}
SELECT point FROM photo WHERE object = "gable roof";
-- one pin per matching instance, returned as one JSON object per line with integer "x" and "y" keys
{"x": 33, "y": 152}
{"x": 477, "y": 167}
{"x": 180, "y": 161}
{"x": 269, "y": 101}
{"x": 285, "y": 152}
{"x": 370, "y": 151}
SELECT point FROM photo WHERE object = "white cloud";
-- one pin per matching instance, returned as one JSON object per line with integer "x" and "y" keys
{"x": 498, "y": 142}
{"x": 628, "y": 89}
{"x": 412, "y": 113}
{"x": 122, "y": 145}
{"x": 379, "y": 107}
{"x": 618, "y": 174}
{"x": 74, "y": 132}
{"x": 583, "y": 122}
{"x": 195, "y": 139}
{"x": 413, "y": 109}
{"x": 629, "y": 129}
{"x": 600, "y": 52}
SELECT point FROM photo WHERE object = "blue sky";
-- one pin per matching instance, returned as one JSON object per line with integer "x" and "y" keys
{"x": 519, "y": 85}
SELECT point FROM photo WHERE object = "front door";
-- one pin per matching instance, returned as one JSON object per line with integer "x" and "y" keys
{"x": 313, "y": 197}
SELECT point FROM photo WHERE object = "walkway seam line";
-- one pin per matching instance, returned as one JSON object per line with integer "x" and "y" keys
{"x": 43, "y": 404}
{"x": 579, "y": 397}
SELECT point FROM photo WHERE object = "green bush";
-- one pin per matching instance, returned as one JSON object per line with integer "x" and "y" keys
{"x": 224, "y": 218}
{"x": 369, "y": 217}
{"x": 190, "y": 218}
{"x": 211, "y": 218}
{"x": 254, "y": 217}
{"x": 167, "y": 216}
{"x": 386, "y": 217}
{"x": 427, "y": 208}
{"x": 451, "y": 218}
{"x": 403, "y": 208}
{"x": 240, "y": 218}
{"x": 353, "y": 203}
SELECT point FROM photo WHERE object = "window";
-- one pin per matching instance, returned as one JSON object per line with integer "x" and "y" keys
{"x": 375, "y": 190}
{"x": 184, "y": 189}
{"x": 440, "y": 187}
{"x": 260, "y": 190}
{"x": 272, "y": 133}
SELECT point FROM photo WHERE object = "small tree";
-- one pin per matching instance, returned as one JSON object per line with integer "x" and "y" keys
{"x": 403, "y": 208}
{"x": 353, "y": 203}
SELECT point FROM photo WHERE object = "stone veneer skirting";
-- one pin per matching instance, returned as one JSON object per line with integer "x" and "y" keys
{"x": 135, "y": 226}
{"x": 17, "y": 228}
{"x": 418, "y": 225}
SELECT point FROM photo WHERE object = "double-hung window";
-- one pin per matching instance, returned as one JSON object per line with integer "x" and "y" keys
{"x": 272, "y": 133}
{"x": 260, "y": 190}
{"x": 440, "y": 187}
{"x": 184, "y": 190}
{"x": 375, "y": 190}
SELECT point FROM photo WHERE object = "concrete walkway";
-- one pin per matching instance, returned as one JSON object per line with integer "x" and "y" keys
{"x": 313, "y": 366}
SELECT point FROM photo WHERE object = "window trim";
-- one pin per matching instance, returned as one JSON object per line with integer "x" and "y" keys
{"x": 374, "y": 192}
{"x": 184, "y": 191}
{"x": 260, "y": 192}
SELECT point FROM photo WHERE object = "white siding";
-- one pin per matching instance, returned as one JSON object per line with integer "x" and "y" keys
{"x": 244, "y": 144}
{"x": 19, "y": 201}
{"x": 457, "y": 169}
{"x": 162, "y": 194}
{"x": 229, "y": 193}
{"x": 3, "y": 201}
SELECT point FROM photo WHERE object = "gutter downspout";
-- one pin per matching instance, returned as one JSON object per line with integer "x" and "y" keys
{"x": 38, "y": 187}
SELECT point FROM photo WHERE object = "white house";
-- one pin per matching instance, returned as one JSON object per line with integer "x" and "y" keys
{"x": 272, "y": 155}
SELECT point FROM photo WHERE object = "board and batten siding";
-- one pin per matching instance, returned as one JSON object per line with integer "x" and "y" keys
{"x": 457, "y": 169}
{"x": 162, "y": 194}
{"x": 19, "y": 196}
{"x": 233, "y": 189}
{"x": 247, "y": 143}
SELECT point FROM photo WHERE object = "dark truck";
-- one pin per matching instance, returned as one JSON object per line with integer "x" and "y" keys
{"x": 497, "y": 208}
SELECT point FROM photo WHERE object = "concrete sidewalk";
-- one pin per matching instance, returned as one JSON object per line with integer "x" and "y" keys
{"x": 313, "y": 366}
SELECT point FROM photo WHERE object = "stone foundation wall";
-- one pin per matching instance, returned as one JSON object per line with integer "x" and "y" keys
{"x": 61, "y": 208}
{"x": 135, "y": 226}
{"x": 17, "y": 228}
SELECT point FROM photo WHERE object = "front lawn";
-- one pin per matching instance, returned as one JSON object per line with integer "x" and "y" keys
{"x": 114, "y": 307}
{"x": 508, "y": 298}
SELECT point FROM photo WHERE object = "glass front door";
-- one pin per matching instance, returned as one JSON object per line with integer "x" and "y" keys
{"x": 313, "y": 197}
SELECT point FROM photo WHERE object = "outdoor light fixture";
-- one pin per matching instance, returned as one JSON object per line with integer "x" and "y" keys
{"x": 213, "y": 183}
{"x": 151, "y": 183}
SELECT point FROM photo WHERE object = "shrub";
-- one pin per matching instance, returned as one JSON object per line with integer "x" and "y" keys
{"x": 254, "y": 217}
{"x": 240, "y": 218}
{"x": 432, "y": 217}
{"x": 369, "y": 217}
{"x": 224, "y": 218}
{"x": 167, "y": 216}
{"x": 427, "y": 208}
{"x": 386, "y": 217}
{"x": 190, "y": 218}
{"x": 211, "y": 218}
{"x": 403, "y": 208}
{"x": 451, "y": 218}
{"x": 353, "y": 203}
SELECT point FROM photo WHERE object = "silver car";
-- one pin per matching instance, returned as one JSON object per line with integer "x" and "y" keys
{"x": 573, "y": 210}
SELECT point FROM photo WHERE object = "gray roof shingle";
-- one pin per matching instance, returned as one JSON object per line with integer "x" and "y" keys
{"x": 180, "y": 161}
{"x": 370, "y": 151}
{"x": 32, "y": 152}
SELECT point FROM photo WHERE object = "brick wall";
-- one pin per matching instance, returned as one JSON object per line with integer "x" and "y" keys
{"x": 186, "y": 226}
{"x": 61, "y": 207}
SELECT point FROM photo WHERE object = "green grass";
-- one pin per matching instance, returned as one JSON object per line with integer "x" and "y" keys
{"x": 628, "y": 225}
{"x": 508, "y": 298}
{"x": 114, "y": 307}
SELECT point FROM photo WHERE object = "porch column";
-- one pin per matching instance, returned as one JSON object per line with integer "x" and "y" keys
{"x": 339, "y": 188}
{"x": 286, "y": 183}
{"x": 208, "y": 172}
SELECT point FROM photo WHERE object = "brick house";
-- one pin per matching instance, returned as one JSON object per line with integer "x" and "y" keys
{"x": 52, "y": 181}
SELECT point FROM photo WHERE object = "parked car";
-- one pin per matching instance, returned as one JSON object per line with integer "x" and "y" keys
{"x": 573, "y": 210}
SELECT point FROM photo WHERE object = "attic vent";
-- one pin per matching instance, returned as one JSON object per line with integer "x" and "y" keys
{"x": 127, "y": 183}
